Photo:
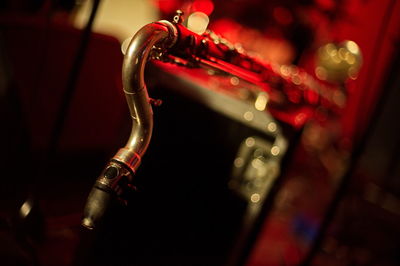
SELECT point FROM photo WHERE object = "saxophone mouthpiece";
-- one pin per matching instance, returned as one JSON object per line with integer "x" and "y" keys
{"x": 110, "y": 187}
{"x": 97, "y": 205}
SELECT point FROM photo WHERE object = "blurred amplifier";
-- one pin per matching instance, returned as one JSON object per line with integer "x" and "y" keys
{"x": 210, "y": 173}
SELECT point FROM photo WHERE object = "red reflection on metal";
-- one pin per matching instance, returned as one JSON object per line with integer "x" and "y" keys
{"x": 205, "y": 6}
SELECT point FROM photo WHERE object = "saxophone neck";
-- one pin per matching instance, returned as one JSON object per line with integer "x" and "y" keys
{"x": 157, "y": 36}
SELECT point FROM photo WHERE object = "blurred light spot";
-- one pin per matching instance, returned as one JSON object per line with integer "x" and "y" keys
{"x": 261, "y": 101}
{"x": 296, "y": 80}
{"x": 198, "y": 22}
{"x": 343, "y": 53}
{"x": 205, "y": 6}
{"x": 350, "y": 58}
{"x": 300, "y": 118}
{"x": 333, "y": 52}
{"x": 275, "y": 150}
{"x": 234, "y": 81}
{"x": 250, "y": 142}
{"x": 238, "y": 162}
{"x": 25, "y": 209}
{"x": 330, "y": 48}
{"x": 338, "y": 62}
{"x": 271, "y": 126}
{"x": 248, "y": 116}
{"x": 284, "y": 70}
{"x": 320, "y": 72}
{"x": 168, "y": 6}
{"x": 255, "y": 198}
{"x": 352, "y": 47}
{"x": 211, "y": 72}
{"x": 335, "y": 57}
{"x": 239, "y": 47}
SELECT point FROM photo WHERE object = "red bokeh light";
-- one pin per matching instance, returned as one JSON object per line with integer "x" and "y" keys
{"x": 167, "y": 6}
{"x": 205, "y": 6}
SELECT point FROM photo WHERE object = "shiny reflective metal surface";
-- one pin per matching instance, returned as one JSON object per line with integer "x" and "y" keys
{"x": 161, "y": 34}
{"x": 158, "y": 35}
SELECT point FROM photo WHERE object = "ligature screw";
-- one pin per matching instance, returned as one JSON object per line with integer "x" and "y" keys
{"x": 178, "y": 18}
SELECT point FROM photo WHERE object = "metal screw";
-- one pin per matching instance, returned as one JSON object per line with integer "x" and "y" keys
{"x": 178, "y": 18}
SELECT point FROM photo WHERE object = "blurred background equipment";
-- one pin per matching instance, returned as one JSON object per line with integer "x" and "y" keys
{"x": 337, "y": 63}
{"x": 338, "y": 201}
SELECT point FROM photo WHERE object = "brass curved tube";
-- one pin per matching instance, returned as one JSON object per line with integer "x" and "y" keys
{"x": 160, "y": 36}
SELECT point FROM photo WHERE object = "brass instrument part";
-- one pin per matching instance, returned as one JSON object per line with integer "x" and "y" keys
{"x": 173, "y": 43}
{"x": 160, "y": 34}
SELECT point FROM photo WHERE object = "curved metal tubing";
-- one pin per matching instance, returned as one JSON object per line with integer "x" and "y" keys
{"x": 161, "y": 34}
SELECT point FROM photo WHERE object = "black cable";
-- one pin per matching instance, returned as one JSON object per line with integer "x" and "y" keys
{"x": 71, "y": 82}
